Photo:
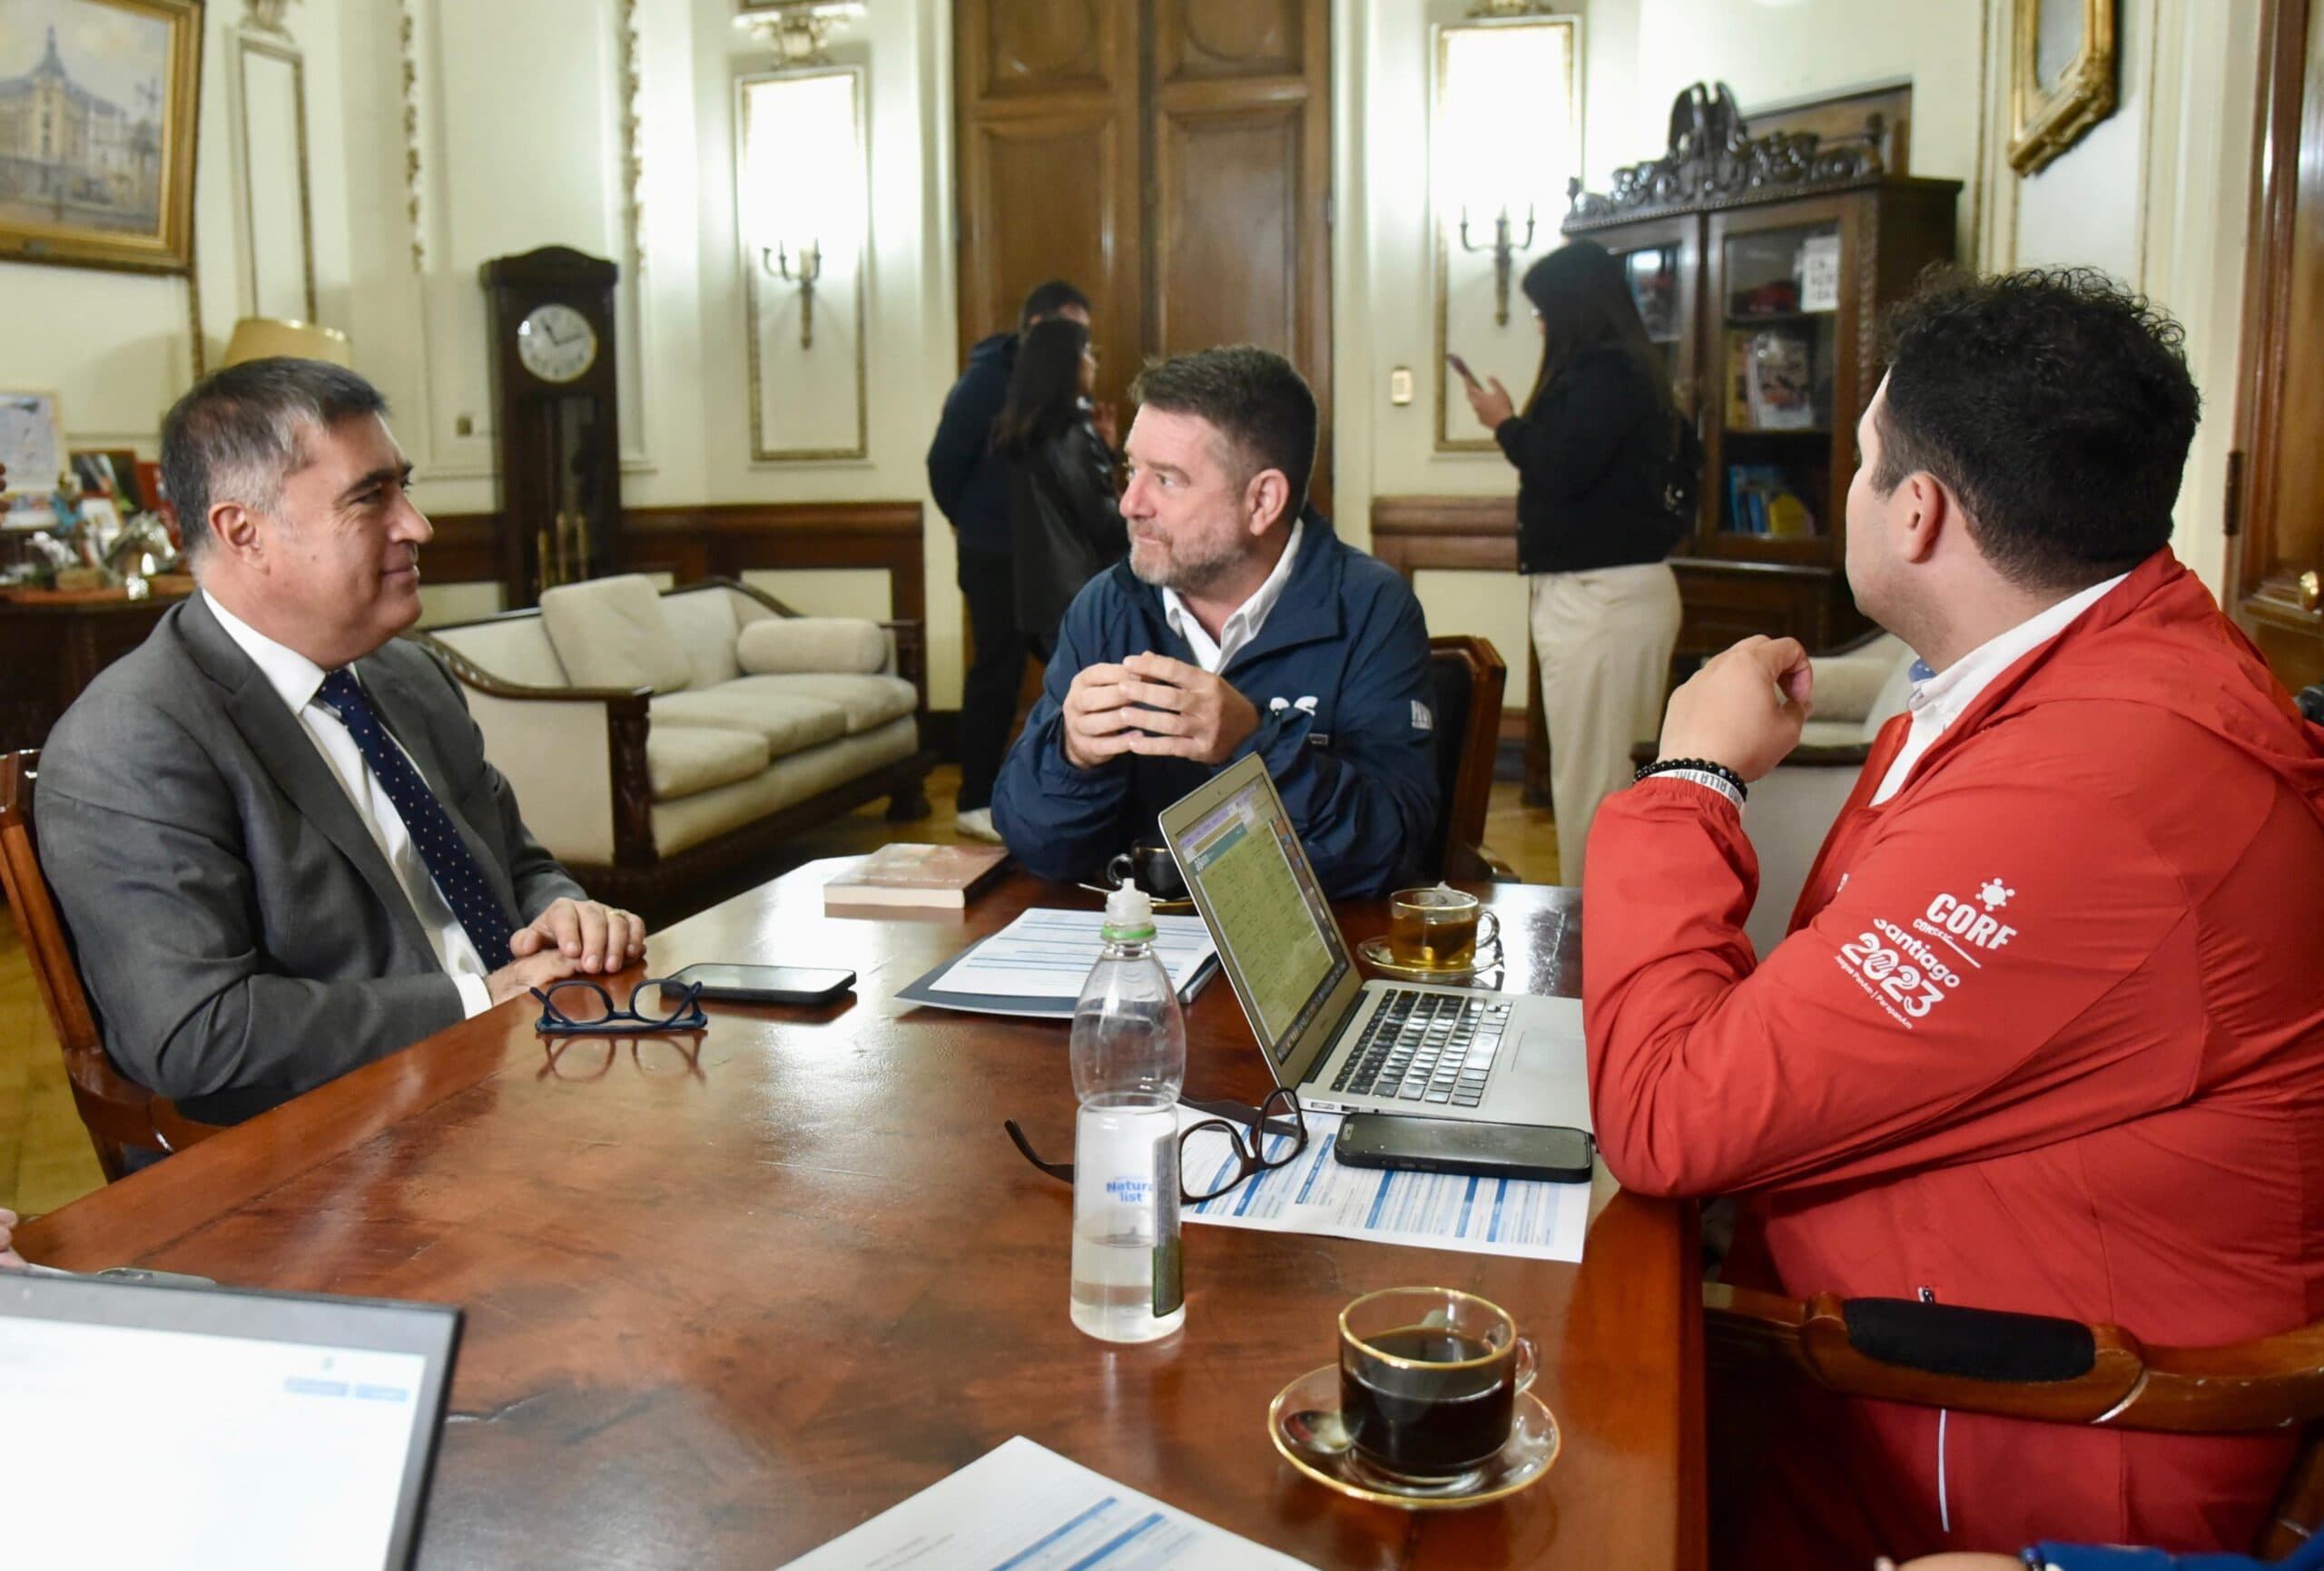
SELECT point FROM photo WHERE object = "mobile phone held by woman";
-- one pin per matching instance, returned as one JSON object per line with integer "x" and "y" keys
{"x": 1462, "y": 367}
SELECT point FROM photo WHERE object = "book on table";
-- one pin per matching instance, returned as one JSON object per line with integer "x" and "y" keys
{"x": 944, "y": 877}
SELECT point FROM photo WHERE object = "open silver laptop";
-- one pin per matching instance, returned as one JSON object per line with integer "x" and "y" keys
{"x": 212, "y": 1427}
{"x": 1345, "y": 1043}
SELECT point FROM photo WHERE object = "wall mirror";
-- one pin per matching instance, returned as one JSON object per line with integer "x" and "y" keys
{"x": 1505, "y": 136}
{"x": 270, "y": 152}
{"x": 800, "y": 218}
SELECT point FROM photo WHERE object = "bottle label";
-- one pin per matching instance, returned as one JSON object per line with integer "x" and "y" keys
{"x": 1169, "y": 1277}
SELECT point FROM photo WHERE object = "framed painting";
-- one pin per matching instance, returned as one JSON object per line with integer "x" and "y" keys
{"x": 2061, "y": 76}
{"x": 98, "y": 103}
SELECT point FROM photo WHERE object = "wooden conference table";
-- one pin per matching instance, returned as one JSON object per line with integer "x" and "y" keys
{"x": 724, "y": 1303}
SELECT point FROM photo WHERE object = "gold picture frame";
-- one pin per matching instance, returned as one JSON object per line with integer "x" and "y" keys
{"x": 2056, "y": 93}
{"x": 127, "y": 74}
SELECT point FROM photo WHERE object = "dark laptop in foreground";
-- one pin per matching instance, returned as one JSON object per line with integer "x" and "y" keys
{"x": 1344, "y": 1044}
{"x": 198, "y": 1427}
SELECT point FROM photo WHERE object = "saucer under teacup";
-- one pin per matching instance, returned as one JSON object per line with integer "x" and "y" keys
{"x": 1375, "y": 953}
{"x": 1304, "y": 1422}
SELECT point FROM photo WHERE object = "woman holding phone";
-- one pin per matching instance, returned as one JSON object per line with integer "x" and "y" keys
{"x": 1594, "y": 449}
{"x": 1064, "y": 517}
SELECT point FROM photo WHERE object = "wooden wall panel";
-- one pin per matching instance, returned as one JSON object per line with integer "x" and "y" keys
{"x": 1227, "y": 230}
{"x": 1049, "y": 166}
{"x": 1172, "y": 157}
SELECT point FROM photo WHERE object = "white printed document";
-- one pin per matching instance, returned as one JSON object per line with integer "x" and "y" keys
{"x": 1037, "y": 964}
{"x": 1021, "y": 1506}
{"x": 1319, "y": 1194}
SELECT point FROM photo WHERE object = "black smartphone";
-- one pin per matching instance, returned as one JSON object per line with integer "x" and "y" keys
{"x": 764, "y": 984}
{"x": 1461, "y": 365}
{"x": 1553, "y": 1152}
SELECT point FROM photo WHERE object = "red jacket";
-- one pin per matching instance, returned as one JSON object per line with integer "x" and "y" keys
{"x": 2047, "y": 1034}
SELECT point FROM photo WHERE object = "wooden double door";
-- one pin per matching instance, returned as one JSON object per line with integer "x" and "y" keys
{"x": 1171, "y": 157}
{"x": 2276, "y": 506}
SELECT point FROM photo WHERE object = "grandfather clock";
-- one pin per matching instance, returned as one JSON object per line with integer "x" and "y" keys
{"x": 557, "y": 431}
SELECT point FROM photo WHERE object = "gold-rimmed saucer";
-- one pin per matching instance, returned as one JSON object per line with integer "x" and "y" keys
{"x": 1375, "y": 953}
{"x": 1304, "y": 1422}
{"x": 1162, "y": 907}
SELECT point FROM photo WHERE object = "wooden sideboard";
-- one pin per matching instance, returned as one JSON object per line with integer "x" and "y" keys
{"x": 52, "y": 648}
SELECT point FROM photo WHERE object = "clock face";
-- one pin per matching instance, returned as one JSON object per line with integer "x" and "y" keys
{"x": 556, "y": 343}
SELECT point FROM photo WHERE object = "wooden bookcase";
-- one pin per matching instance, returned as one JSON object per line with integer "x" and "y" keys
{"x": 1764, "y": 267}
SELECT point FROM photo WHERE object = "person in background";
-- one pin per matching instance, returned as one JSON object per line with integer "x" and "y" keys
{"x": 1238, "y": 623}
{"x": 970, "y": 483}
{"x": 1593, "y": 450}
{"x": 1064, "y": 517}
{"x": 2044, "y": 1036}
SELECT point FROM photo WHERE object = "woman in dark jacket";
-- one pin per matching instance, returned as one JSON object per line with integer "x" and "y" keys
{"x": 1593, "y": 449}
{"x": 1064, "y": 517}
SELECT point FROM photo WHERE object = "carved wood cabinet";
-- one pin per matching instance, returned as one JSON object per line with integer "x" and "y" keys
{"x": 1764, "y": 268}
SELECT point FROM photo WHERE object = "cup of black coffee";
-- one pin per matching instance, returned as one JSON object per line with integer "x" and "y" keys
{"x": 1152, "y": 869}
{"x": 1428, "y": 1382}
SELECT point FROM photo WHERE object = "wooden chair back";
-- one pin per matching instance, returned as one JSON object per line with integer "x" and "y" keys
{"x": 1466, "y": 675}
{"x": 2072, "y": 1373}
{"x": 120, "y": 1115}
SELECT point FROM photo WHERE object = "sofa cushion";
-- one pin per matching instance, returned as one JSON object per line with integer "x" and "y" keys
{"x": 812, "y": 644}
{"x": 682, "y": 759}
{"x": 702, "y": 622}
{"x": 869, "y": 701}
{"x": 785, "y": 723}
{"x": 609, "y": 632}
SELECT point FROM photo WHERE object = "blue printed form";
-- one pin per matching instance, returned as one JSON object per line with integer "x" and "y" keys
{"x": 1319, "y": 1194}
{"x": 1021, "y": 1506}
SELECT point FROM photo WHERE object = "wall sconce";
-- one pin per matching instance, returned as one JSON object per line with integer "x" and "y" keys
{"x": 777, "y": 263}
{"x": 796, "y": 30}
{"x": 1504, "y": 250}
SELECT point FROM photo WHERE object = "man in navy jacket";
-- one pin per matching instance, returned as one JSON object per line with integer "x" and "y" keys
{"x": 970, "y": 483}
{"x": 1240, "y": 623}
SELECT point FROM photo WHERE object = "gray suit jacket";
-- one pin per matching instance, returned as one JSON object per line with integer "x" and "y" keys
{"x": 242, "y": 938}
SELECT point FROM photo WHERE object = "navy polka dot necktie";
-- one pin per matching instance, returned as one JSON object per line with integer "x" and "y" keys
{"x": 457, "y": 878}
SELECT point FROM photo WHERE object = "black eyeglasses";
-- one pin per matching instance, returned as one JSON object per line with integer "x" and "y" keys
{"x": 1248, "y": 1130}
{"x": 577, "y": 1007}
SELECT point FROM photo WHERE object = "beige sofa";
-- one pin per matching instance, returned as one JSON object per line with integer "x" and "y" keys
{"x": 660, "y": 743}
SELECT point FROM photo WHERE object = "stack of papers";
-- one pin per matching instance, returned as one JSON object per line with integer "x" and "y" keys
{"x": 1023, "y": 1508}
{"x": 1318, "y": 1194}
{"x": 1037, "y": 964}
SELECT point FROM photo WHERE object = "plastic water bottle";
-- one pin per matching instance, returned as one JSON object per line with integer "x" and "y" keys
{"x": 1129, "y": 1058}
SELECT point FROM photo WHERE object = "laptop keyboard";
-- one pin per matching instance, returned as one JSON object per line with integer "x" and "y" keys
{"x": 1426, "y": 1047}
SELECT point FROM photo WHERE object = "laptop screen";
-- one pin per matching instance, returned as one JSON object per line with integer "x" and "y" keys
{"x": 255, "y": 1431}
{"x": 1273, "y": 925}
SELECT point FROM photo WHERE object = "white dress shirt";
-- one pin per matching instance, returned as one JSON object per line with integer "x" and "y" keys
{"x": 297, "y": 679}
{"x": 1243, "y": 624}
{"x": 1940, "y": 700}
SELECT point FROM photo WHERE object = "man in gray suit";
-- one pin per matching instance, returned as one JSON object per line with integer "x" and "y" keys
{"x": 271, "y": 828}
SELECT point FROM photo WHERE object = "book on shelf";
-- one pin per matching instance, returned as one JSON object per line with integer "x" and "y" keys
{"x": 905, "y": 874}
{"x": 1762, "y": 501}
{"x": 1781, "y": 380}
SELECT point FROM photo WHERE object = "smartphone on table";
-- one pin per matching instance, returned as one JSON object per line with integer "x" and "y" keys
{"x": 763, "y": 984}
{"x": 1551, "y": 1151}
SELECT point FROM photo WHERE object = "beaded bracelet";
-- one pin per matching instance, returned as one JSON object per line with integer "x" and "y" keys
{"x": 1697, "y": 766}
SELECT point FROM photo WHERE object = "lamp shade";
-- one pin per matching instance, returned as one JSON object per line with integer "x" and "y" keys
{"x": 260, "y": 338}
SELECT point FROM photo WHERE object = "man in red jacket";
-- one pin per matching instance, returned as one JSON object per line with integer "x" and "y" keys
{"x": 2047, "y": 1032}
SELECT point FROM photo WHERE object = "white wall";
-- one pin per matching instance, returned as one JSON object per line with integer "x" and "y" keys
{"x": 521, "y": 131}
{"x": 117, "y": 347}
{"x": 2159, "y": 195}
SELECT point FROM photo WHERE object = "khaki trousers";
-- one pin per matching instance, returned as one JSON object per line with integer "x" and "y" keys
{"x": 1604, "y": 640}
